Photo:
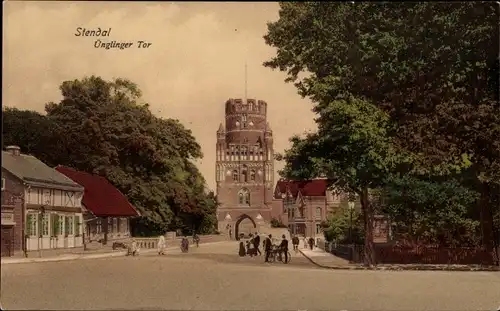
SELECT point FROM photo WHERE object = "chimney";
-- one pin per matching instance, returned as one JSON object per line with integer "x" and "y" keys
{"x": 14, "y": 150}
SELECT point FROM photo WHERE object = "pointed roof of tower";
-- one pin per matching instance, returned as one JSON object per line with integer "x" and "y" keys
{"x": 221, "y": 128}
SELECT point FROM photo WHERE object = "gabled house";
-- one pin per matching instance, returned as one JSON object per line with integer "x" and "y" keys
{"x": 41, "y": 208}
{"x": 107, "y": 212}
{"x": 306, "y": 204}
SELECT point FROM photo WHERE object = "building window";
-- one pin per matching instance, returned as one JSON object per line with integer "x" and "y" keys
{"x": 31, "y": 222}
{"x": 318, "y": 212}
{"x": 235, "y": 175}
{"x": 45, "y": 225}
{"x": 245, "y": 173}
{"x": 244, "y": 118}
{"x": 115, "y": 225}
{"x": 61, "y": 224}
{"x": 318, "y": 228}
{"x": 3, "y": 184}
{"x": 69, "y": 225}
{"x": 244, "y": 197}
{"x": 252, "y": 175}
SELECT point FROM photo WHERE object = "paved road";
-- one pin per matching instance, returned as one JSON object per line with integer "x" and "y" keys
{"x": 213, "y": 277}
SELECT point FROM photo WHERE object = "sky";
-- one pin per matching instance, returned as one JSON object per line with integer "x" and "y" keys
{"x": 196, "y": 61}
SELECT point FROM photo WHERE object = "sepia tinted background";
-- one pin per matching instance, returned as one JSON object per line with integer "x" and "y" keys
{"x": 195, "y": 63}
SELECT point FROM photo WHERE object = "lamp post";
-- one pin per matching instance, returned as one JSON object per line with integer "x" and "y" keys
{"x": 351, "y": 209}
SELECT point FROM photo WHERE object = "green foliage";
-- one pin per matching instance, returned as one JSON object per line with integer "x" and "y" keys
{"x": 344, "y": 226}
{"x": 399, "y": 89}
{"x": 432, "y": 212}
{"x": 104, "y": 127}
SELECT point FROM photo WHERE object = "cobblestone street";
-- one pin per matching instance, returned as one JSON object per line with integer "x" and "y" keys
{"x": 213, "y": 277}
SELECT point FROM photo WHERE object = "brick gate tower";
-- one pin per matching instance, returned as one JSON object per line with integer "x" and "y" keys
{"x": 244, "y": 167}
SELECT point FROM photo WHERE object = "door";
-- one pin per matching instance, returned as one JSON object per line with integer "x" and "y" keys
{"x": 6, "y": 241}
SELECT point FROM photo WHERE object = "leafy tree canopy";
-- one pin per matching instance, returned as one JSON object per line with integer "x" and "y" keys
{"x": 104, "y": 127}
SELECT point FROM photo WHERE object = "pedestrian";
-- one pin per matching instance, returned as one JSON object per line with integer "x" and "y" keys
{"x": 284, "y": 247}
{"x": 295, "y": 243}
{"x": 305, "y": 242}
{"x": 311, "y": 243}
{"x": 256, "y": 243}
{"x": 161, "y": 245}
{"x": 268, "y": 245}
{"x": 230, "y": 234}
{"x": 242, "y": 251}
{"x": 196, "y": 240}
{"x": 133, "y": 249}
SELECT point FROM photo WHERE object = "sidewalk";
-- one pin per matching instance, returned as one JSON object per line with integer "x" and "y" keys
{"x": 74, "y": 256}
{"x": 324, "y": 259}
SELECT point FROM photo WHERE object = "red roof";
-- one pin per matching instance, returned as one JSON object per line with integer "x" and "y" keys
{"x": 100, "y": 196}
{"x": 309, "y": 188}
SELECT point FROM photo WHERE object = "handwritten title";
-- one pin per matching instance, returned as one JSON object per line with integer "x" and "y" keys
{"x": 105, "y": 33}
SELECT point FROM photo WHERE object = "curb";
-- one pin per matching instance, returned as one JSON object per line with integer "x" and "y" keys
{"x": 401, "y": 267}
{"x": 90, "y": 256}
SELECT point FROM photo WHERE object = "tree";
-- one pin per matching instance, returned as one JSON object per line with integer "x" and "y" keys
{"x": 103, "y": 127}
{"x": 29, "y": 130}
{"x": 430, "y": 66}
{"x": 353, "y": 149}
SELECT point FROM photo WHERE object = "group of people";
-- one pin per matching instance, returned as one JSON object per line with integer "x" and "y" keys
{"x": 307, "y": 242}
{"x": 162, "y": 244}
{"x": 252, "y": 247}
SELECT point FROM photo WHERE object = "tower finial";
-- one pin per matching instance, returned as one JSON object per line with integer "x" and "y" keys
{"x": 246, "y": 79}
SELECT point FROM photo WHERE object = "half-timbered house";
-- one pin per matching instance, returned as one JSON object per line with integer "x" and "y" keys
{"x": 45, "y": 204}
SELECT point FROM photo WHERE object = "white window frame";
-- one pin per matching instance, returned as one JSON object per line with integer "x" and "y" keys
{"x": 34, "y": 224}
{"x": 71, "y": 225}
{"x": 46, "y": 224}
{"x": 3, "y": 184}
{"x": 62, "y": 219}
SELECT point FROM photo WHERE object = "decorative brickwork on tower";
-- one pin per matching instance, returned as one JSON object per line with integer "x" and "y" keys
{"x": 244, "y": 167}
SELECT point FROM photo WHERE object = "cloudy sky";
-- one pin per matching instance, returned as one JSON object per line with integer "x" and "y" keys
{"x": 195, "y": 63}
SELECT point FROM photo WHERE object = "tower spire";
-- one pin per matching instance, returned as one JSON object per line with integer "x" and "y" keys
{"x": 246, "y": 81}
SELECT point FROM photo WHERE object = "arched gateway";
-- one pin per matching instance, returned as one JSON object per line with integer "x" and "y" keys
{"x": 245, "y": 224}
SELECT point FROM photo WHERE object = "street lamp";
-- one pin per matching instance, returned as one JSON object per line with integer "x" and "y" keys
{"x": 351, "y": 210}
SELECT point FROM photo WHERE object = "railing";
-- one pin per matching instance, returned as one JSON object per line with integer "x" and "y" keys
{"x": 422, "y": 254}
{"x": 152, "y": 243}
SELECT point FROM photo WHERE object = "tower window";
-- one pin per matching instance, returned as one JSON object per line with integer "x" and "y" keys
{"x": 244, "y": 118}
{"x": 252, "y": 175}
{"x": 235, "y": 175}
{"x": 244, "y": 197}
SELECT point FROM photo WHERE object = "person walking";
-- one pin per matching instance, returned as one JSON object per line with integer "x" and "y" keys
{"x": 256, "y": 243}
{"x": 305, "y": 242}
{"x": 295, "y": 243}
{"x": 196, "y": 240}
{"x": 268, "y": 244}
{"x": 161, "y": 245}
{"x": 284, "y": 247}
{"x": 311, "y": 243}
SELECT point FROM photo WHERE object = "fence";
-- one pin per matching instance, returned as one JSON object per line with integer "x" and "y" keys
{"x": 422, "y": 254}
{"x": 151, "y": 243}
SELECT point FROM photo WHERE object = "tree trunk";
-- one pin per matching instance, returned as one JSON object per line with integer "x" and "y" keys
{"x": 369, "y": 250}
